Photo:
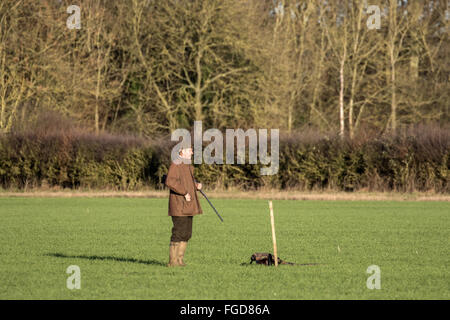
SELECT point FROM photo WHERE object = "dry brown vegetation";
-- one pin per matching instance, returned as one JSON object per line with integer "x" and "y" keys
{"x": 236, "y": 194}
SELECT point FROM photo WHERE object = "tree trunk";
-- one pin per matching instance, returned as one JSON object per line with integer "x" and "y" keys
{"x": 351, "y": 103}
{"x": 198, "y": 89}
{"x": 341, "y": 96}
{"x": 393, "y": 93}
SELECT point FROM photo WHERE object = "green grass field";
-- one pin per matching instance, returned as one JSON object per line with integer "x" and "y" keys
{"x": 121, "y": 246}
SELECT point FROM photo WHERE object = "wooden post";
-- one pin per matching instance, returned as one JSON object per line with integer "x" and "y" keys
{"x": 274, "y": 239}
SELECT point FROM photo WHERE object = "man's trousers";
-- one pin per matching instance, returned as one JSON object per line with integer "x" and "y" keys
{"x": 182, "y": 228}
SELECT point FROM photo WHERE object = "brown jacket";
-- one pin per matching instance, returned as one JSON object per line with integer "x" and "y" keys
{"x": 180, "y": 180}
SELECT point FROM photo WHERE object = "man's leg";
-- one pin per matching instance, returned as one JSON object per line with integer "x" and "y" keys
{"x": 187, "y": 234}
{"x": 173, "y": 254}
{"x": 175, "y": 240}
{"x": 181, "y": 233}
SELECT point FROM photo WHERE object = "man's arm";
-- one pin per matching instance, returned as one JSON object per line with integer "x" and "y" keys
{"x": 198, "y": 185}
{"x": 173, "y": 180}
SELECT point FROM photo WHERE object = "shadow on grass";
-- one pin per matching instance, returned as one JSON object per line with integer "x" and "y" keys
{"x": 110, "y": 258}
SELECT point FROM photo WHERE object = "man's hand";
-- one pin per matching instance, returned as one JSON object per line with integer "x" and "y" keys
{"x": 199, "y": 186}
{"x": 187, "y": 196}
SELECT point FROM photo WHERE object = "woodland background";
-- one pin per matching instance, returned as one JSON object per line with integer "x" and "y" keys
{"x": 358, "y": 108}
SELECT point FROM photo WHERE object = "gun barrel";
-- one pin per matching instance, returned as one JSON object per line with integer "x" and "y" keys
{"x": 201, "y": 191}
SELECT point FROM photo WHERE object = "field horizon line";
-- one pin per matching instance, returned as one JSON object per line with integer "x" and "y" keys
{"x": 237, "y": 194}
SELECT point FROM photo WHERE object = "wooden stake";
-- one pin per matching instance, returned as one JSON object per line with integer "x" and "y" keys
{"x": 274, "y": 239}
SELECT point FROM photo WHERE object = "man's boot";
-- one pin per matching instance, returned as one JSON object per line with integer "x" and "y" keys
{"x": 173, "y": 254}
{"x": 181, "y": 250}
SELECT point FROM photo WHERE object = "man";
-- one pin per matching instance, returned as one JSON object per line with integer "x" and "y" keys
{"x": 183, "y": 204}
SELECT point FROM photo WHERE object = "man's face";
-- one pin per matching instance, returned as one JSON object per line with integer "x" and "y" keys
{"x": 187, "y": 153}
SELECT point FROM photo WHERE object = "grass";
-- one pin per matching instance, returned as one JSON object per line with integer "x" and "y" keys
{"x": 121, "y": 247}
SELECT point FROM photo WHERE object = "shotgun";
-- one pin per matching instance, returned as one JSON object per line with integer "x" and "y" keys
{"x": 201, "y": 191}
